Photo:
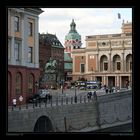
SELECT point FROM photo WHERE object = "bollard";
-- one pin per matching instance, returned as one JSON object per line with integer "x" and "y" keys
{"x": 80, "y": 99}
{"x": 51, "y": 102}
{"x": 75, "y": 99}
{"x": 62, "y": 101}
{"x": 26, "y": 106}
{"x": 12, "y": 108}
{"x": 56, "y": 101}
{"x": 71, "y": 100}
{"x": 67, "y": 100}
{"x": 84, "y": 99}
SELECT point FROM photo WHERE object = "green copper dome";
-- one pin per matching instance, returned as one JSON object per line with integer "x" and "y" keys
{"x": 73, "y": 35}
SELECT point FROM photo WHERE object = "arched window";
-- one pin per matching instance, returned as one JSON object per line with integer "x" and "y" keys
{"x": 129, "y": 62}
{"x": 30, "y": 84}
{"x": 103, "y": 63}
{"x": 116, "y": 63}
{"x": 18, "y": 83}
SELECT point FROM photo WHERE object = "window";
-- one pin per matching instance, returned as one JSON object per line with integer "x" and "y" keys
{"x": 30, "y": 52}
{"x": 18, "y": 83}
{"x": 82, "y": 68}
{"x": 118, "y": 66}
{"x": 16, "y": 24}
{"x": 30, "y": 84}
{"x": 17, "y": 44}
{"x": 9, "y": 49}
{"x": 105, "y": 66}
{"x": 30, "y": 28}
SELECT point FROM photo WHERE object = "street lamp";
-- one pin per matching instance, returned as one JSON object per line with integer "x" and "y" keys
{"x": 75, "y": 98}
{"x": 36, "y": 85}
{"x": 62, "y": 83}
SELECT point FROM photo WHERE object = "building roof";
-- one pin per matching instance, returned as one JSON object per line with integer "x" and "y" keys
{"x": 51, "y": 40}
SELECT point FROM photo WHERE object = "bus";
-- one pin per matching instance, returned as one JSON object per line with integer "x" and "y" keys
{"x": 93, "y": 84}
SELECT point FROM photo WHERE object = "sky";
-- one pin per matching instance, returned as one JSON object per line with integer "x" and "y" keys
{"x": 89, "y": 21}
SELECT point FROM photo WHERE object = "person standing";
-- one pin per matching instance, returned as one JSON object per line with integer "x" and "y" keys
{"x": 95, "y": 95}
{"x": 14, "y": 102}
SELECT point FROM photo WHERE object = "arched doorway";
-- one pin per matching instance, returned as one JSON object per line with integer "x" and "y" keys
{"x": 43, "y": 124}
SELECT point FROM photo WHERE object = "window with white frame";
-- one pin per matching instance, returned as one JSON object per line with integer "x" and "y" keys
{"x": 16, "y": 20}
{"x": 30, "y": 54}
{"x": 17, "y": 51}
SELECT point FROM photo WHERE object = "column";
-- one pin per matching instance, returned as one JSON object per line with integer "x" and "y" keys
{"x": 115, "y": 81}
{"x": 97, "y": 62}
{"x": 122, "y": 63}
{"x": 86, "y": 64}
{"x": 36, "y": 46}
{"x": 99, "y": 65}
{"x": 23, "y": 40}
{"x": 120, "y": 82}
{"x": 12, "y": 40}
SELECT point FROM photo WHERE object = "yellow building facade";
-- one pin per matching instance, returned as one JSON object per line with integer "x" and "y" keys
{"x": 107, "y": 58}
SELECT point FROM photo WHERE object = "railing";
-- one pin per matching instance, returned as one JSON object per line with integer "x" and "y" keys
{"x": 55, "y": 101}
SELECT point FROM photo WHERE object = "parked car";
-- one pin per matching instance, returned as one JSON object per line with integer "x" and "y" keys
{"x": 40, "y": 96}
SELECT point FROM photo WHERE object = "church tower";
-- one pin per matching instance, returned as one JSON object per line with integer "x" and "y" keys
{"x": 72, "y": 39}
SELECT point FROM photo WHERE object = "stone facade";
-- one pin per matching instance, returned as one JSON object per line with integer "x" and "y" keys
{"x": 107, "y": 111}
{"x": 107, "y": 58}
{"x": 23, "y": 55}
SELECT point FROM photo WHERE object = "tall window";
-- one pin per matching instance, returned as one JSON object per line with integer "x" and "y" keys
{"x": 17, "y": 45}
{"x": 30, "y": 53}
{"x": 9, "y": 49}
{"x": 16, "y": 23}
{"x": 118, "y": 66}
{"x": 82, "y": 68}
{"x": 30, "y": 28}
{"x": 30, "y": 84}
{"x": 105, "y": 66}
{"x": 18, "y": 83}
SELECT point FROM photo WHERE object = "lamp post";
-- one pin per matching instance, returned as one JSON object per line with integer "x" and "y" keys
{"x": 36, "y": 86}
{"x": 62, "y": 83}
{"x": 75, "y": 98}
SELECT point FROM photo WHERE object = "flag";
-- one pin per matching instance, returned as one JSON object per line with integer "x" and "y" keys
{"x": 119, "y": 16}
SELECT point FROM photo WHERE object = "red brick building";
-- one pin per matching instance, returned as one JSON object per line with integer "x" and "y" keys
{"x": 51, "y": 47}
{"x": 23, "y": 55}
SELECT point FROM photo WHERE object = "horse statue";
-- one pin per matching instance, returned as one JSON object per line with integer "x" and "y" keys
{"x": 51, "y": 65}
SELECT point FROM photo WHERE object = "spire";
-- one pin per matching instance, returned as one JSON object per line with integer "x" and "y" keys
{"x": 73, "y": 26}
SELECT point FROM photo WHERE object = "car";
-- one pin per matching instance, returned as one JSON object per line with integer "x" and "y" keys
{"x": 40, "y": 96}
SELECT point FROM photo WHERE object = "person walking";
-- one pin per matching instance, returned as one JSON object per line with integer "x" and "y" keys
{"x": 95, "y": 95}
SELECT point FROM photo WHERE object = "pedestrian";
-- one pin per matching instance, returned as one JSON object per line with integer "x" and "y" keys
{"x": 14, "y": 102}
{"x": 106, "y": 90}
{"x": 110, "y": 90}
{"x": 95, "y": 95}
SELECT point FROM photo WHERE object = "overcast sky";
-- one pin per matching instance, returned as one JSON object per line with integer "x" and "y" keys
{"x": 89, "y": 21}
